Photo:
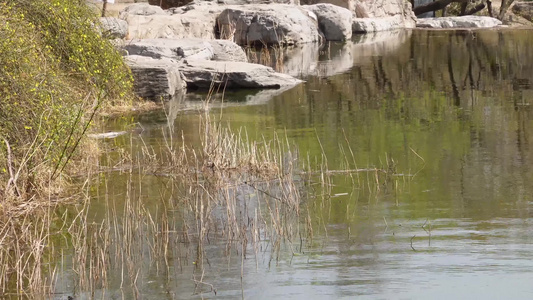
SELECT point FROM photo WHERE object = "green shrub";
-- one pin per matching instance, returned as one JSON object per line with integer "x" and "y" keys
{"x": 55, "y": 71}
{"x": 68, "y": 28}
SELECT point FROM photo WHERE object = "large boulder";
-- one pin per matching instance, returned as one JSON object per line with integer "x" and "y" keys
{"x": 275, "y": 24}
{"x": 203, "y": 74}
{"x": 170, "y": 48}
{"x": 246, "y": 2}
{"x": 155, "y": 79}
{"x": 387, "y": 8}
{"x": 458, "y": 22}
{"x": 335, "y": 22}
{"x": 141, "y": 9}
{"x": 400, "y": 10}
{"x": 191, "y": 48}
{"x": 524, "y": 9}
{"x": 166, "y": 4}
{"x": 113, "y": 27}
{"x": 193, "y": 21}
{"x": 366, "y": 25}
{"x": 351, "y": 5}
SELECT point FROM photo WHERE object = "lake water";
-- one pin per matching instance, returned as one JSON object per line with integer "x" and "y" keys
{"x": 448, "y": 113}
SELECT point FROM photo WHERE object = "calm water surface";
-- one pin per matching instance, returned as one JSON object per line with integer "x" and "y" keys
{"x": 451, "y": 109}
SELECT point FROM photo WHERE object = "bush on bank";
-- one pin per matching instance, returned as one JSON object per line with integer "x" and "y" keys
{"x": 56, "y": 70}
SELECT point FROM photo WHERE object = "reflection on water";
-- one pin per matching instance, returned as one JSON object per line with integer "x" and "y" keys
{"x": 450, "y": 108}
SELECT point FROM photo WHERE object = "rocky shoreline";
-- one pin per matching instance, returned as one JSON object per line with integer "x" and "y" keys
{"x": 201, "y": 44}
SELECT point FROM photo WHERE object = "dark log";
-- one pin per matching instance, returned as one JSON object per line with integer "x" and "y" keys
{"x": 434, "y": 6}
{"x": 489, "y": 8}
{"x": 475, "y": 9}
{"x": 463, "y": 8}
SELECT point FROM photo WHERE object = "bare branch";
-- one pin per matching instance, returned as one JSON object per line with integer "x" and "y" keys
{"x": 503, "y": 9}
{"x": 12, "y": 178}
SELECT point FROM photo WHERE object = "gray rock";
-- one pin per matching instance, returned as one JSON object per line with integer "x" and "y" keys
{"x": 114, "y": 27}
{"x": 335, "y": 22}
{"x": 203, "y": 74}
{"x": 155, "y": 79}
{"x": 268, "y": 24}
{"x": 224, "y": 50}
{"x": 401, "y": 10}
{"x": 458, "y": 22}
{"x": 348, "y": 4}
{"x": 365, "y": 25}
{"x": 186, "y": 49}
{"x": 524, "y": 9}
{"x": 170, "y": 48}
{"x": 141, "y": 9}
{"x": 193, "y": 21}
{"x": 246, "y": 2}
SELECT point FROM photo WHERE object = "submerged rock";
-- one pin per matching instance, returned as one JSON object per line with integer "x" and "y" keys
{"x": 155, "y": 79}
{"x": 106, "y": 135}
{"x": 203, "y": 74}
{"x": 458, "y": 22}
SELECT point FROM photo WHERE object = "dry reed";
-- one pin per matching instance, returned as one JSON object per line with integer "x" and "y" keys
{"x": 252, "y": 196}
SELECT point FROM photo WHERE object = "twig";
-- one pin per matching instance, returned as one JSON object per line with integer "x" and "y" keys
{"x": 264, "y": 192}
{"x": 197, "y": 282}
{"x": 426, "y": 230}
{"x": 12, "y": 180}
{"x": 412, "y": 243}
{"x": 95, "y": 107}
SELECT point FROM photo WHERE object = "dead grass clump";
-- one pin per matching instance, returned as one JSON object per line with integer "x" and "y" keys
{"x": 271, "y": 56}
{"x": 248, "y": 197}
